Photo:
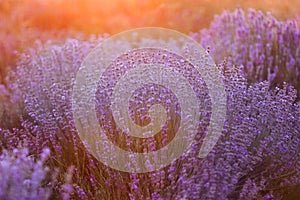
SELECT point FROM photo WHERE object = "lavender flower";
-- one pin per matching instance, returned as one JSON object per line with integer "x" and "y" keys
{"x": 267, "y": 48}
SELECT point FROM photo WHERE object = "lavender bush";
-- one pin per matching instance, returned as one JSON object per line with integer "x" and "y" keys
{"x": 256, "y": 157}
{"x": 267, "y": 49}
{"x": 23, "y": 177}
{"x": 41, "y": 88}
{"x": 258, "y": 154}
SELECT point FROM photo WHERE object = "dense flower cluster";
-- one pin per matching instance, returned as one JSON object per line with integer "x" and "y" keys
{"x": 268, "y": 49}
{"x": 257, "y": 156}
{"x": 22, "y": 177}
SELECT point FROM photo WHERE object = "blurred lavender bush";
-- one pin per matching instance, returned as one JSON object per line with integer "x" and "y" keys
{"x": 256, "y": 157}
{"x": 266, "y": 48}
{"x": 23, "y": 177}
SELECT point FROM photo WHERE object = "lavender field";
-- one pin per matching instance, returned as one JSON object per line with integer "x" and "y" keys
{"x": 253, "y": 47}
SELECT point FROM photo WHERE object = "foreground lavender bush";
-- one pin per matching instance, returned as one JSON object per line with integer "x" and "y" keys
{"x": 267, "y": 48}
{"x": 22, "y": 177}
{"x": 257, "y": 156}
